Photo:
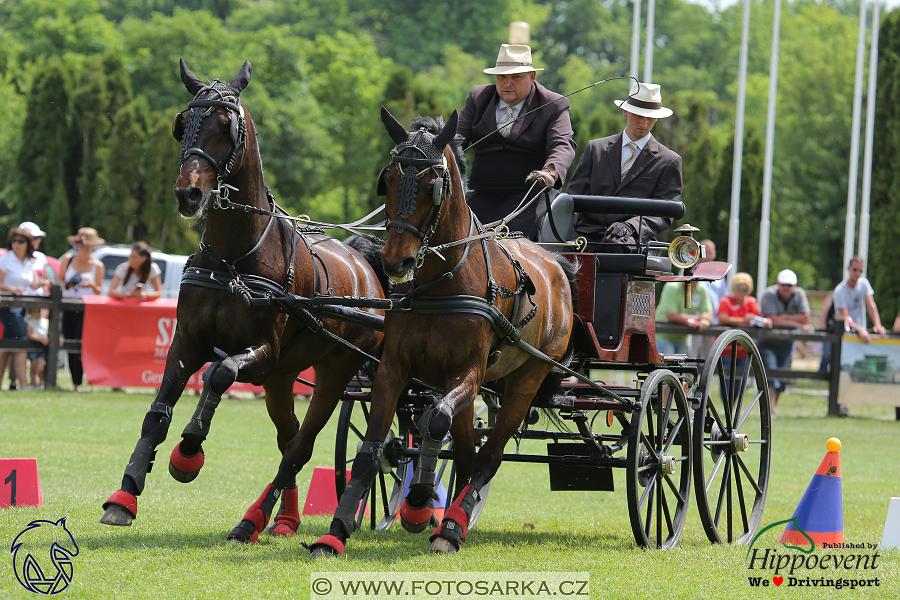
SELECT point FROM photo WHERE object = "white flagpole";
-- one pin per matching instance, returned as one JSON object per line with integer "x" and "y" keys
{"x": 734, "y": 222}
{"x": 648, "y": 43}
{"x": 870, "y": 134}
{"x": 850, "y": 225}
{"x": 636, "y": 40}
{"x": 762, "y": 276}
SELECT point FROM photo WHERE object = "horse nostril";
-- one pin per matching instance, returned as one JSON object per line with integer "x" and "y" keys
{"x": 194, "y": 195}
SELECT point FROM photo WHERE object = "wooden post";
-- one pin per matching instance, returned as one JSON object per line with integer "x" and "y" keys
{"x": 53, "y": 333}
{"x": 834, "y": 368}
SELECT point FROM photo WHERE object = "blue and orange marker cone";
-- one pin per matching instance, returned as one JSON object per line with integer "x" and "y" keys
{"x": 821, "y": 510}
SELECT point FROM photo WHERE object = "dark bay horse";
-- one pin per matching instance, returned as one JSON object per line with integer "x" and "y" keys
{"x": 222, "y": 176}
{"x": 462, "y": 309}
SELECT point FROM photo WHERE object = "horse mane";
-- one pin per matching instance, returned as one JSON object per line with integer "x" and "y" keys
{"x": 434, "y": 127}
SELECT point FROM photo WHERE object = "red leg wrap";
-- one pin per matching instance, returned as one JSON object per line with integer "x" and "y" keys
{"x": 455, "y": 525}
{"x": 286, "y": 524}
{"x": 186, "y": 464}
{"x": 331, "y": 542}
{"x": 125, "y": 500}
{"x": 255, "y": 519}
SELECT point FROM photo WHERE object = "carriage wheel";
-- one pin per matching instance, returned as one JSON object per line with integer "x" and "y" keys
{"x": 658, "y": 470}
{"x": 732, "y": 442}
{"x": 352, "y": 425}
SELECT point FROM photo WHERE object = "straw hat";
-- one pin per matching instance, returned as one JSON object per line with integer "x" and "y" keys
{"x": 513, "y": 58}
{"x": 645, "y": 100}
{"x": 87, "y": 236}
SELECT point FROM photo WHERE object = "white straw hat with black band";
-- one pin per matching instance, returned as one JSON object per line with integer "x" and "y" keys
{"x": 645, "y": 100}
{"x": 513, "y": 58}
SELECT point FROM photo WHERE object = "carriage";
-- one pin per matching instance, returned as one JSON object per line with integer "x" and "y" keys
{"x": 681, "y": 417}
{"x": 275, "y": 296}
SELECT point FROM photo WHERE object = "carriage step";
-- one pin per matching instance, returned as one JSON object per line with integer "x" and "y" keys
{"x": 584, "y": 478}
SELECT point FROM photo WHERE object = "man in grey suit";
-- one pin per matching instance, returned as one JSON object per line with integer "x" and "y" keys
{"x": 512, "y": 153}
{"x": 645, "y": 169}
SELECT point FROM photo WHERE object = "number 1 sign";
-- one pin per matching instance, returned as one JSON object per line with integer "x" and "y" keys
{"x": 20, "y": 484}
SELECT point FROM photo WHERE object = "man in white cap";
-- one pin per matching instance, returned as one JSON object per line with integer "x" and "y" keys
{"x": 631, "y": 164}
{"x": 787, "y": 306}
{"x": 514, "y": 147}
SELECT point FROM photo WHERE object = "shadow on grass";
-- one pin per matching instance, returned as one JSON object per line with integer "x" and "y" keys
{"x": 382, "y": 547}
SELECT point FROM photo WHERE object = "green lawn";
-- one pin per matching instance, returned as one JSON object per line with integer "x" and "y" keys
{"x": 176, "y": 548}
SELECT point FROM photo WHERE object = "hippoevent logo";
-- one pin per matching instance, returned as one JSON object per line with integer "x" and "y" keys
{"x": 796, "y": 566}
{"x": 42, "y": 556}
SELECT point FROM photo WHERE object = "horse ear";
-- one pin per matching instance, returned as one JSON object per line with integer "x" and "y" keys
{"x": 447, "y": 133}
{"x": 397, "y": 132}
{"x": 241, "y": 80}
{"x": 190, "y": 80}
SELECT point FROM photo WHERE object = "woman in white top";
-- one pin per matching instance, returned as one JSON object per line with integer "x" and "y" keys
{"x": 83, "y": 275}
{"x": 18, "y": 277}
{"x": 138, "y": 277}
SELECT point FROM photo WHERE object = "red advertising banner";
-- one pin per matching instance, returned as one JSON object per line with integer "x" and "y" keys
{"x": 125, "y": 343}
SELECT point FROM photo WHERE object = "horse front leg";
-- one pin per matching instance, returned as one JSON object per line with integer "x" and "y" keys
{"x": 436, "y": 422}
{"x": 519, "y": 390}
{"x": 389, "y": 382}
{"x": 121, "y": 508}
{"x": 187, "y": 457}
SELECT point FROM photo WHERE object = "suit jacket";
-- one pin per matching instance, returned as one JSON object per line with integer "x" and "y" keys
{"x": 656, "y": 173}
{"x": 546, "y": 133}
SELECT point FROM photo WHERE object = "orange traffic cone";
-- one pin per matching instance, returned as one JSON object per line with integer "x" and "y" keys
{"x": 820, "y": 513}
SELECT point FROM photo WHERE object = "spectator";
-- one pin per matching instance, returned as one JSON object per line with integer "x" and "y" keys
{"x": 717, "y": 289}
{"x": 512, "y": 155}
{"x": 897, "y": 323}
{"x": 43, "y": 268}
{"x": 38, "y": 326}
{"x": 826, "y": 323}
{"x": 740, "y": 309}
{"x": 671, "y": 308}
{"x": 138, "y": 277}
{"x": 851, "y": 295}
{"x": 82, "y": 275}
{"x": 630, "y": 163}
{"x": 18, "y": 276}
{"x": 785, "y": 305}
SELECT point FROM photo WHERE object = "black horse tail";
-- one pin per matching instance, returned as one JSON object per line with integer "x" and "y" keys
{"x": 370, "y": 248}
{"x": 551, "y": 386}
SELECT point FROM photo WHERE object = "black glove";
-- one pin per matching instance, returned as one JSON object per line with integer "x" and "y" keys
{"x": 620, "y": 232}
{"x": 545, "y": 178}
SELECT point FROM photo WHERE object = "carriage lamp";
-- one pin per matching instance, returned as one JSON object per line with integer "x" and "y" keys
{"x": 684, "y": 251}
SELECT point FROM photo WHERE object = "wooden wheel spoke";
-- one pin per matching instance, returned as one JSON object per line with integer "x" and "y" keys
{"x": 357, "y": 431}
{"x": 676, "y": 428}
{"x": 649, "y": 447}
{"x": 726, "y": 394}
{"x": 647, "y": 490}
{"x": 665, "y": 506}
{"x": 649, "y": 519}
{"x": 749, "y": 410}
{"x": 742, "y": 389}
{"x": 714, "y": 413}
{"x": 739, "y": 488}
{"x": 715, "y": 469}
{"x": 722, "y": 490}
{"x": 750, "y": 479}
{"x": 674, "y": 489}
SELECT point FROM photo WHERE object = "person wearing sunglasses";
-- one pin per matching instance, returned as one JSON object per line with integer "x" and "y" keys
{"x": 18, "y": 277}
{"x": 740, "y": 309}
{"x": 853, "y": 296}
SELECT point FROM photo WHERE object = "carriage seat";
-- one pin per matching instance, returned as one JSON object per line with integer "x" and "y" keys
{"x": 565, "y": 208}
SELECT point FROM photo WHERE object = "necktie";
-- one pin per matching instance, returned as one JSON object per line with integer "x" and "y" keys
{"x": 630, "y": 161}
{"x": 506, "y": 122}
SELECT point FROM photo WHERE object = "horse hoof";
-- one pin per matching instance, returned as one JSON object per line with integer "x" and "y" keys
{"x": 116, "y": 515}
{"x": 281, "y": 530}
{"x": 244, "y": 532}
{"x": 415, "y": 527}
{"x": 327, "y": 545}
{"x": 443, "y": 546}
{"x": 416, "y": 520}
{"x": 185, "y": 468}
{"x": 323, "y": 552}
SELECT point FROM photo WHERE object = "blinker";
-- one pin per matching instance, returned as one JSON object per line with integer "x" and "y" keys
{"x": 438, "y": 191}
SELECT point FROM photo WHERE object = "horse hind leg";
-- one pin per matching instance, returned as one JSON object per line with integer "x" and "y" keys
{"x": 417, "y": 508}
{"x": 121, "y": 508}
{"x": 187, "y": 457}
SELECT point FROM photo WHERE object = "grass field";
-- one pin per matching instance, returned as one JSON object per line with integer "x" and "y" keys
{"x": 176, "y": 548}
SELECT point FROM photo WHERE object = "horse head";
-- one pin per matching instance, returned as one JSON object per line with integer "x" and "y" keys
{"x": 416, "y": 184}
{"x": 213, "y": 138}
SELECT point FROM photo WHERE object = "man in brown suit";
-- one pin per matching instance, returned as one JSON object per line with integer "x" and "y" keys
{"x": 646, "y": 169}
{"x": 538, "y": 148}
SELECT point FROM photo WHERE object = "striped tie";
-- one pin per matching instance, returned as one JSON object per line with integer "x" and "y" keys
{"x": 630, "y": 161}
{"x": 505, "y": 122}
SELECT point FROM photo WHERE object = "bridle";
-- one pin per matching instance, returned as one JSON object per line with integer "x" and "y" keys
{"x": 410, "y": 175}
{"x": 202, "y": 106}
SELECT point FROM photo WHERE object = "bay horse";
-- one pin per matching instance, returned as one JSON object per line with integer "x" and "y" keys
{"x": 467, "y": 310}
{"x": 247, "y": 248}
